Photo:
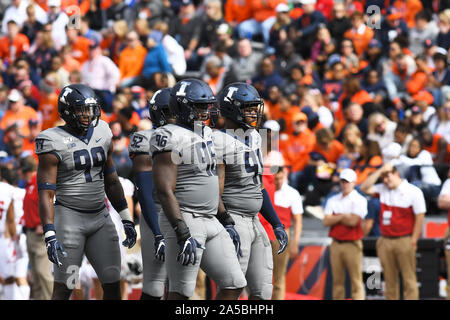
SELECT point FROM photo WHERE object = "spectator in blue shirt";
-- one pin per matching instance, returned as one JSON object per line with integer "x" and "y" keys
{"x": 156, "y": 59}
{"x": 268, "y": 77}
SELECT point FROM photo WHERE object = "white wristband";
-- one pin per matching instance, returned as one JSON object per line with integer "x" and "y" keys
{"x": 49, "y": 234}
{"x": 125, "y": 214}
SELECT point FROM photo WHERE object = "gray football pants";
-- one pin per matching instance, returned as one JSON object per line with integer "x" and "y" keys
{"x": 219, "y": 260}
{"x": 154, "y": 271}
{"x": 256, "y": 261}
{"x": 92, "y": 234}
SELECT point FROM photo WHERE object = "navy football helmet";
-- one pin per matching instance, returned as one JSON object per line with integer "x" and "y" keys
{"x": 78, "y": 106}
{"x": 241, "y": 103}
{"x": 191, "y": 100}
{"x": 159, "y": 107}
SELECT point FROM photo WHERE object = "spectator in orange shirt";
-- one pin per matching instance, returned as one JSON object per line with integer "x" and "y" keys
{"x": 48, "y": 104}
{"x": 409, "y": 9}
{"x": 13, "y": 44}
{"x": 359, "y": 33}
{"x": 18, "y": 113}
{"x": 78, "y": 44}
{"x": 262, "y": 19}
{"x": 419, "y": 78}
{"x": 131, "y": 60}
{"x": 297, "y": 147}
{"x": 318, "y": 174}
{"x": 237, "y": 11}
{"x": 435, "y": 144}
{"x": 285, "y": 114}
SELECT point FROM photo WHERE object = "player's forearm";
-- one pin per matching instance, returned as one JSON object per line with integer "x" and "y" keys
{"x": 170, "y": 206}
{"x": 46, "y": 208}
{"x": 113, "y": 188}
{"x": 350, "y": 220}
{"x": 144, "y": 183}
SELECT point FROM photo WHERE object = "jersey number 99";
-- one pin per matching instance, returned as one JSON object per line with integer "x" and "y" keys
{"x": 83, "y": 161}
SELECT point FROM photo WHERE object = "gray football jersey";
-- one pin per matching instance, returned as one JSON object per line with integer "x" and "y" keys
{"x": 197, "y": 188}
{"x": 242, "y": 157}
{"x": 140, "y": 143}
{"x": 80, "y": 179}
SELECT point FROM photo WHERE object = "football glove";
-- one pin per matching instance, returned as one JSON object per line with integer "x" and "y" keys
{"x": 131, "y": 234}
{"x": 282, "y": 237}
{"x": 188, "y": 251}
{"x": 52, "y": 245}
{"x": 234, "y": 235}
{"x": 160, "y": 248}
{"x": 188, "y": 245}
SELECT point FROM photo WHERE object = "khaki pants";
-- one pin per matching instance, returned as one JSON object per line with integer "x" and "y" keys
{"x": 398, "y": 255}
{"x": 447, "y": 257}
{"x": 347, "y": 256}
{"x": 280, "y": 262}
{"x": 40, "y": 266}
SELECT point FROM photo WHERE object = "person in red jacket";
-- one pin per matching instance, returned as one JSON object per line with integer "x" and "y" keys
{"x": 40, "y": 266}
{"x": 13, "y": 44}
{"x": 344, "y": 213}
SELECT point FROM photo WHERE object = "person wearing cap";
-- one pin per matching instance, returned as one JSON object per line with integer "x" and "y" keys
{"x": 18, "y": 113}
{"x": 344, "y": 214}
{"x": 40, "y": 266}
{"x": 439, "y": 79}
{"x": 59, "y": 20}
{"x": 425, "y": 28}
{"x": 391, "y": 27}
{"x": 401, "y": 221}
{"x": 279, "y": 31}
{"x": 424, "y": 100}
{"x": 296, "y": 148}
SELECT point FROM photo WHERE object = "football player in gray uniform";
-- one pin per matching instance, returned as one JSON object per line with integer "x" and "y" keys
{"x": 154, "y": 271}
{"x": 240, "y": 168}
{"x": 186, "y": 183}
{"x": 76, "y": 168}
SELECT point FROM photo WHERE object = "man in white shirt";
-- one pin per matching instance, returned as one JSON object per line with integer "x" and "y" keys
{"x": 101, "y": 74}
{"x": 344, "y": 213}
{"x": 288, "y": 205}
{"x": 401, "y": 221}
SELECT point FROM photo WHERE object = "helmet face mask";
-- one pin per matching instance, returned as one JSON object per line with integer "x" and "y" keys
{"x": 252, "y": 114}
{"x": 191, "y": 101}
{"x": 79, "y": 108}
{"x": 241, "y": 103}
